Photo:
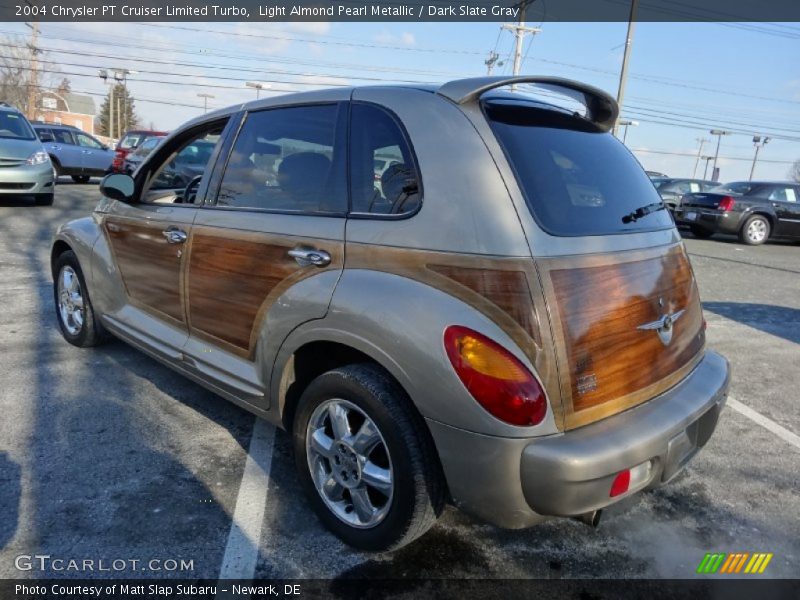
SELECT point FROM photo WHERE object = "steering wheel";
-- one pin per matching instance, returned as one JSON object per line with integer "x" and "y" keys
{"x": 190, "y": 191}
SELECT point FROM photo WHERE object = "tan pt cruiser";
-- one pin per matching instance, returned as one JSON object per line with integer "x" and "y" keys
{"x": 462, "y": 294}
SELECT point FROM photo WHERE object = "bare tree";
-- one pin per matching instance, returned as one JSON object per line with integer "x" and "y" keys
{"x": 16, "y": 72}
{"x": 794, "y": 171}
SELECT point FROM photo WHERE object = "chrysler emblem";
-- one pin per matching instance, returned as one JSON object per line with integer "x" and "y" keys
{"x": 663, "y": 326}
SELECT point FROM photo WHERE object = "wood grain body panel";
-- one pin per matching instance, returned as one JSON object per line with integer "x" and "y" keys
{"x": 150, "y": 267}
{"x": 607, "y": 364}
{"x": 233, "y": 277}
{"x": 508, "y": 290}
{"x": 505, "y": 289}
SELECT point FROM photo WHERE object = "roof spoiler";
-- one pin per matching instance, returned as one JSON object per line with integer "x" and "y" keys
{"x": 601, "y": 108}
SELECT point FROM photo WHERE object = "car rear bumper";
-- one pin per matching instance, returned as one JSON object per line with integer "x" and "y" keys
{"x": 26, "y": 179}
{"x": 515, "y": 483}
{"x": 712, "y": 220}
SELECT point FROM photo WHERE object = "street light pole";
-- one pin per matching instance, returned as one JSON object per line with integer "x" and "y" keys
{"x": 627, "y": 123}
{"x": 623, "y": 75}
{"x": 205, "y": 98}
{"x": 258, "y": 85}
{"x": 702, "y": 141}
{"x": 719, "y": 133}
{"x": 759, "y": 143}
{"x": 705, "y": 170}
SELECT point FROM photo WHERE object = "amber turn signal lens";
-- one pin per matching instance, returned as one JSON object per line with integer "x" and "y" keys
{"x": 496, "y": 378}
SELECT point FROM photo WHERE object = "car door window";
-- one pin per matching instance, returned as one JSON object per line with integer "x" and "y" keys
{"x": 187, "y": 160}
{"x": 45, "y": 135}
{"x": 383, "y": 174}
{"x": 88, "y": 142}
{"x": 62, "y": 136}
{"x": 287, "y": 160}
{"x": 783, "y": 194}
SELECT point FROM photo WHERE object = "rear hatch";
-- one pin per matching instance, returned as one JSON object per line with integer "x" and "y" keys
{"x": 626, "y": 323}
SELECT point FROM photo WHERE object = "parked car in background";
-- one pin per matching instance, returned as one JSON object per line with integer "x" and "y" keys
{"x": 753, "y": 210}
{"x": 129, "y": 142}
{"x": 671, "y": 189}
{"x": 74, "y": 152}
{"x": 24, "y": 165}
{"x": 653, "y": 174}
{"x": 135, "y": 158}
{"x": 558, "y": 367}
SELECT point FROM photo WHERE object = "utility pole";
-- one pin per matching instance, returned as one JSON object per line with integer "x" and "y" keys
{"x": 205, "y": 98}
{"x": 490, "y": 62}
{"x": 520, "y": 31}
{"x": 719, "y": 133}
{"x": 701, "y": 141}
{"x": 759, "y": 143}
{"x": 623, "y": 75}
{"x": 33, "y": 82}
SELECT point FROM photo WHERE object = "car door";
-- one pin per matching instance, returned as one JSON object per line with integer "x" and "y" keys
{"x": 148, "y": 241}
{"x": 95, "y": 157}
{"x": 66, "y": 151}
{"x": 268, "y": 247}
{"x": 785, "y": 201}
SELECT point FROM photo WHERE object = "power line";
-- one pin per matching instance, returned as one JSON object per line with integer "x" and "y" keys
{"x": 692, "y": 155}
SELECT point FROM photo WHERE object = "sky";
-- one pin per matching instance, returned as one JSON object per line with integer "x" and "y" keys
{"x": 685, "y": 78}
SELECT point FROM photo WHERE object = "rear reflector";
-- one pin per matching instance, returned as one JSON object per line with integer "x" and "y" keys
{"x": 630, "y": 479}
{"x": 621, "y": 483}
{"x": 726, "y": 204}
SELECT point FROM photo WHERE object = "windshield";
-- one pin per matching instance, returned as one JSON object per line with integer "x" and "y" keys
{"x": 131, "y": 140}
{"x": 15, "y": 126}
{"x": 576, "y": 179}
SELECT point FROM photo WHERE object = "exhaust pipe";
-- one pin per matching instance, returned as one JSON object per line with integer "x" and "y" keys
{"x": 591, "y": 518}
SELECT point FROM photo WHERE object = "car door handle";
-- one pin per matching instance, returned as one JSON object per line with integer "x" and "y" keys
{"x": 174, "y": 236}
{"x": 306, "y": 257}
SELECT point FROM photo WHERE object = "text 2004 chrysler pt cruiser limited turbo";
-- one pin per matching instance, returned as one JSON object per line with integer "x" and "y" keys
{"x": 454, "y": 294}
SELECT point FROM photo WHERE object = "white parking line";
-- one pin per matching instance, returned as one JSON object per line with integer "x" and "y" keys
{"x": 766, "y": 423}
{"x": 241, "y": 552}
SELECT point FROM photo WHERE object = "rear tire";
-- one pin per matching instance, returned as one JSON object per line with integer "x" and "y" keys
{"x": 701, "y": 232}
{"x": 377, "y": 495}
{"x": 755, "y": 231}
{"x": 56, "y": 169}
{"x": 80, "y": 178}
{"x": 44, "y": 199}
{"x": 74, "y": 309}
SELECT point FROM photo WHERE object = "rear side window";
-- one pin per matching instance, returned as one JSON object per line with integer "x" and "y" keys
{"x": 383, "y": 177}
{"x": 576, "y": 179}
{"x": 130, "y": 140}
{"x": 286, "y": 159}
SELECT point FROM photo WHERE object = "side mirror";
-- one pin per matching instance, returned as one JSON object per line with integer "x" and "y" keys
{"x": 118, "y": 186}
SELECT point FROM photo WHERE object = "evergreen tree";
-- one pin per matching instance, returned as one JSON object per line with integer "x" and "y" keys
{"x": 125, "y": 117}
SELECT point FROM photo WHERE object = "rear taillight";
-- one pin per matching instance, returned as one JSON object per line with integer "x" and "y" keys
{"x": 496, "y": 378}
{"x": 726, "y": 204}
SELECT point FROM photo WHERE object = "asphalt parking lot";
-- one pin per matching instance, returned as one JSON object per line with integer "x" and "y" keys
{"x": 106, "y": 454}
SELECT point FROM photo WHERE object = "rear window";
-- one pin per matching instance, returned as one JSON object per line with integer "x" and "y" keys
{"x": 576, "y": 179}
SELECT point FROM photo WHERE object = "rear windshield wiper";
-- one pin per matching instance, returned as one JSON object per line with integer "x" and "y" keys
{"x": 643, "y": 211}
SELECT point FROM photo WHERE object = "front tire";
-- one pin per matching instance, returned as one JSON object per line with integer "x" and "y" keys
{"x": 366, "y": 460}
{"x": 755, "y": 231}
{"x": 74, "y": 310}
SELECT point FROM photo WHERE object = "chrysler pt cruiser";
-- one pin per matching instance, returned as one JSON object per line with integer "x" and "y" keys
{"x": 504, "y": 318}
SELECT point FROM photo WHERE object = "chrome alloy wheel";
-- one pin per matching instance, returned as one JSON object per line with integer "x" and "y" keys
{"x": 349, "y": 463}
{"x": 70, "y": 300}
{"x": 757, "y": 230}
